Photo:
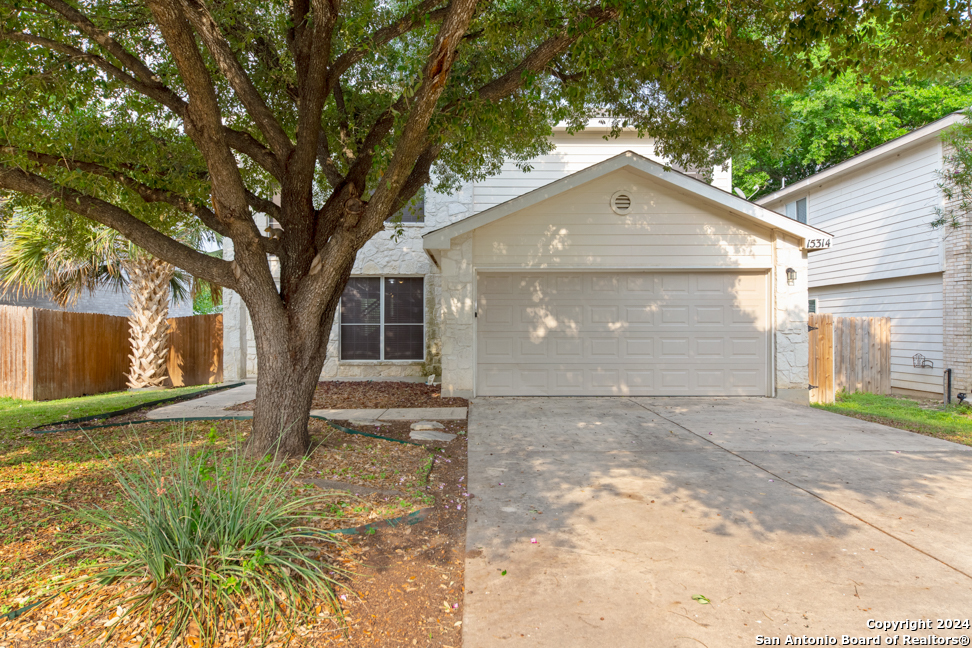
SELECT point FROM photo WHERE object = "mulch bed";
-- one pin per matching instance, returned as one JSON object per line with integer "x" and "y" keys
{"x": 408, "y": 584}
{"x": 378, "y": 394}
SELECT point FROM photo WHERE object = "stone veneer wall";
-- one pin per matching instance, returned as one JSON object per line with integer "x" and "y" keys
{"x": 457, "y": 308}
{"x": 957, "y": 300}
{"x": 382, "y": 255}
{"x": 790, "y": 314}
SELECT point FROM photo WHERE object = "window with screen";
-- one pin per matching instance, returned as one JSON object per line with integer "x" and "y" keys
{"x": 797, "y": 210}
{"x": 812, "y": 306}
{"x": 382, "y": 318}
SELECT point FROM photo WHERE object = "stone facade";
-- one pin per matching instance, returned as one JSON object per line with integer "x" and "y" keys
{"x": 383, "y": 255}
{"x": 792, "y": 340}
{"x": 957, "y": 300}
{"x": 457, "y": 310}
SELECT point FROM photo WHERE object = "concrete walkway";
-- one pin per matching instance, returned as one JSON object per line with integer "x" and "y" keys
{"x": 789, "y": 520}
{"x": 215, "y": 405}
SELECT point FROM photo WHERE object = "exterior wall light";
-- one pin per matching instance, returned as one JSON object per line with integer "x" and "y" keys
{"x": 791, "y": 277}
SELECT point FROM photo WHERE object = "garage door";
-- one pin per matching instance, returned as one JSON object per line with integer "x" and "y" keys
{"x": 627, "y": 333}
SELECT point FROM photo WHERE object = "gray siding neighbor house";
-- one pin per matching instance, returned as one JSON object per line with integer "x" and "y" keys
{"x": 890, "y": 261}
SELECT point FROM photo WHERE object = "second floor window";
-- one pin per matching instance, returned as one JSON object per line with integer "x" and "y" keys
{"x": 797, "y": 210}
{"x": 414, "y": 211}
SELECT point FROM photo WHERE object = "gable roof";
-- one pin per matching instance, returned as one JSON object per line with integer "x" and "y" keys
{"x": 441, "y": 238}
{"x": 867, "y": 157}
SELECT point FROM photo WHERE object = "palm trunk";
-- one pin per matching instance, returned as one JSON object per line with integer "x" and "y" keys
{"x": 148, "y": 321}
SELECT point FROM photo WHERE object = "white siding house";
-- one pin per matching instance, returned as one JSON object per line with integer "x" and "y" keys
{"x": 889, "y": 261}
{"x": 598, "y": 272}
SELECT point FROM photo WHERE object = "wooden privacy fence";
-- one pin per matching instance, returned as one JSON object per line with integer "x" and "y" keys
{"x": 850, "y": 353}
{"x": 48, "y": 354}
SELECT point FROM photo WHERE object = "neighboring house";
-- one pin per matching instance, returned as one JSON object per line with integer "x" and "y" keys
{"x": 103, "y": 300}
{"x": 597, "y": 273}
{"x": 890, "y": 262}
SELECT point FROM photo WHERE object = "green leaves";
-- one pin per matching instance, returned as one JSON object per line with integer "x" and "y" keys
{"x": 832, "y": 120}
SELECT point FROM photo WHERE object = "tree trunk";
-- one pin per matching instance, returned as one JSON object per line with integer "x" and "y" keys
{"x": 290, "y": 360}
{"x": 148, "y": 321}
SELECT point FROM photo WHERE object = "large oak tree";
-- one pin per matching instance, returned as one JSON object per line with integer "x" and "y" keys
{"x": 126, "y": 112}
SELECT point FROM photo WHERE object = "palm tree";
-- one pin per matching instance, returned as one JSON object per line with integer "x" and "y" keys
{"x": 36, "y": 257}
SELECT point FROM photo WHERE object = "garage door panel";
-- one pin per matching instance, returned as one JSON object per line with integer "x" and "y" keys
{"x": 601, "y": 284}
{"x": 710, "y": 379}
{"x": 640, "y": 284}
{"x": 748, "y": 347}
{"x": 674, "y": 284}
{"x": 605, "y": 348}
{"x": 639, "y": 348}
{"x": 673, "y": 315}
{"x": 710, "y": 348}
{"x": 633, "y": 333}
{"x": 709, "y": 315}
{"x": 568, "y": 379}
{"x": 708, "y": 285}
{"x": 674, "y": 347}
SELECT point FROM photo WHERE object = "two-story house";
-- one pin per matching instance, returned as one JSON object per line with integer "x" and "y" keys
{"x": 598, "y": 272}
{"x": 890, "y": 261}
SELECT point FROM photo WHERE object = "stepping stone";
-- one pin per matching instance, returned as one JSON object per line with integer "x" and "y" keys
{"x": 431, "y": 435}
{"x": 363, "y": 421}
{"x": 427, "y": 425}
{"x": 354, "y": 489}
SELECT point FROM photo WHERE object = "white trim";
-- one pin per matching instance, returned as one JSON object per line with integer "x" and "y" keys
{"x": 441, "y": 238}
{"x": 867, "y": 157}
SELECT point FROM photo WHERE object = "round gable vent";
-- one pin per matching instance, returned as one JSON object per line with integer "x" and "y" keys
{"x": 621, "y": 202}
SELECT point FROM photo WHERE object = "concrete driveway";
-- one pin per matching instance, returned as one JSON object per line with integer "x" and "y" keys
{"x": 790, "y": 520}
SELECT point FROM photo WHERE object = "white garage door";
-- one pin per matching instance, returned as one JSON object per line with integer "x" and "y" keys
{"x": 622, "y": 333}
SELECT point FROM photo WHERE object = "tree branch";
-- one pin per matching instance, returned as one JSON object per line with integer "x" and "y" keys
{"x": 203, "y": 122}
{"x": 344, "y": 125}
{"x": 239, "y": 140}
{"x": 537, "y": 60}
{"x": 252, "y": 100}
{"x": 331, "y": 172}
{"x": 411, "y": 144}
{"x": 145, "y": 192}
{"x": 422, "y": 15}
{"x": 262, "y": 205}
{"x": 141, "y": 234}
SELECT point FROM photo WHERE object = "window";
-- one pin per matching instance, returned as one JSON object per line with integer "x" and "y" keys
{"x": 797, "y": 210}
{"x": 413, "y": 211}
{"x": 812, "y": 306}
{"x": 382, "y": 318}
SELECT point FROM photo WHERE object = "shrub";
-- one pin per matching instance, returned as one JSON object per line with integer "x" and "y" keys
{"x": 208, "y": 544}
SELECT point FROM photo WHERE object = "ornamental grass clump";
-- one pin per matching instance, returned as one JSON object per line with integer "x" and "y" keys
{"x": 209, "y": 546}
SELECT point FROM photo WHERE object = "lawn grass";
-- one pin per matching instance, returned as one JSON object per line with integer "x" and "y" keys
{"x": 952, "y": 423}
{"x": 18, "y": 414}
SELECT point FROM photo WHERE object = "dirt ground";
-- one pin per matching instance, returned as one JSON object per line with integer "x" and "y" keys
{"x": 337, "y": 394}
{"x": 407, "y": 588}
{"x": 412, "y": 590}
